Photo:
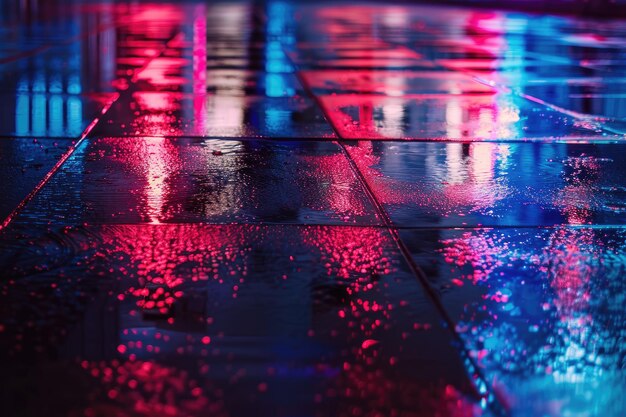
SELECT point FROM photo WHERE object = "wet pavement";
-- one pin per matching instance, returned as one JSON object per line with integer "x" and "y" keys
{"x": 282, "y": 209}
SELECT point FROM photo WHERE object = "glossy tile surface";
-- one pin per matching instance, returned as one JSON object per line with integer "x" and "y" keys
{"x": 23, "y": 164}
{"x": 604, "y": 100}
{"x": 156, "y": 180}
{"x": 169, "y": 114}
{"x": 463, "y": 118}
{"x": 225, "y": 320}
{"x": 60, "y": 70}
{"x": 391, "y": 83}
{"x": 42, "y": 115}
{"x": 312, "y": 209}
{"x": 388, "y": 58}
{"x": 540, "y": 309}
{"x": 488, "y": 184}
{"x": 251, "y": 83}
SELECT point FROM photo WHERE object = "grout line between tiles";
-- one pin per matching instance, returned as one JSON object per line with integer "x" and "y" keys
{"x": 507, "y": 90}
{"x": 477, "y": 379}
{"x": 342, "y": 225}
{"x": 475, "y": 374}
{"x": 614, "y": 139}
{"x": 67, "y": 154}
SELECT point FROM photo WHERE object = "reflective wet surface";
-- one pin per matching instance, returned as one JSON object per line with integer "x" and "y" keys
{"x": 302, "y": 209}
{"x": 158, "y": 180}
{"x": 228, "y": 320}
{"x": 174, "y": 114}
{"x": 424, "y": 184}
{"x": 50, "y": 116}
{"x": 541, "y": 310}
{"x": 442, "y": 117}
{"x": 23, "y": 164}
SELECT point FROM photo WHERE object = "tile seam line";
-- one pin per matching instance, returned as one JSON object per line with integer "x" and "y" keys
{"x": 67, "y": 154}
{"x": 340, "y": 225}
{"x": 508, "y": 90}
{"x": 216, "y": 224}
{"x": 283, "y": 139}
{"x": 421, "y": 277}
{"x": 339, "y": 142}
{"x": 498, "y": 405}
{"x": 615, "y": 139}
{"x": 55, "y": 168}
{"x": 618, "y": 139}
{"x": 601, "y": 124}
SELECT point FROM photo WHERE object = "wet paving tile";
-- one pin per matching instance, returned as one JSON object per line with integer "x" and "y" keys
{"x": 389, "y": 52}
{"x": 592, "y": 52}
{"x": 359, "y": 22}
{"x": 480, "y": 55}
{"x": 47, "y": 116}
{"x": 616, "y": 126}
{"x": 510, "y": 184}
{"x": 540, "y": 309}
{"x": 167, "y": 73}
{"x": 179, "y": 263}
{"x": 231, "y": 320}
{"x": 271, "y": 61}
{"x": 155, "y": 180}
{"x": 340, "y": 46}
{"x": 152, "y": 22}
{"x": 175, "y": 114}
{"x": 605, "y": 98}
{"x": 57, "y": 34}
{"x": 368, "y": 63}
{"x": 61, "y": 70}
{"x": 177, "y": 75}
{"x": 262, "y": 57}
{"x": 486, "y": 64}
{"x": 518, "y": 78}
{"x": 15, "y": 46}
{"x": 23, "y": 164}
{"x": 453, "y": 117}
{"x": 252, "y": 83}
{"x": 391, "y": 83}
{"x": 615, "y": 68}
{"x": 9, "y": 54}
